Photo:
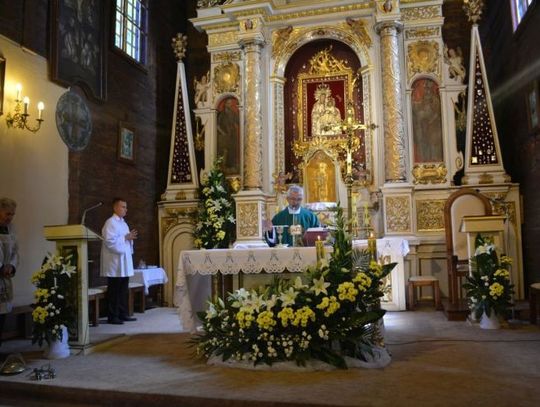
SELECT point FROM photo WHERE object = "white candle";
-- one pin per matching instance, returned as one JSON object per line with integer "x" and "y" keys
{"x": 40, "y": 107}
{"x": 55, "y": 282}
{"x": 26, "y": 102}
{"x": 18, "y": 88}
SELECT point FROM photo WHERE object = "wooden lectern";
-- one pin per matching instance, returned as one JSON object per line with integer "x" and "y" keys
{"x": 491, "y": 226}
{"x": 73, "y": 239}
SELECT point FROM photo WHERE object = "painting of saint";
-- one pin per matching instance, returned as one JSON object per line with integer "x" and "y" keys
{"x": 321, "y": 176}
{"x": 324, "y": 113}
{"x": 228, "y": 135}
{"x": 426, "y": 120}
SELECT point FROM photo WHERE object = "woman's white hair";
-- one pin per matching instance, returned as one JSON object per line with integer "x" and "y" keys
{"x": 7, "y": 203}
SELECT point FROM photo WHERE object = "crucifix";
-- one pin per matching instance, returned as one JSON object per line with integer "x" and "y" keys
{"x": 349, "y": 126}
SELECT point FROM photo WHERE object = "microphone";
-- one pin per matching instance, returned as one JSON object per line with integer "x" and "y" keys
{"x": 88, "y": 210}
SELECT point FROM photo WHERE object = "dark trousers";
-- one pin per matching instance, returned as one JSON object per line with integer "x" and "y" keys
{"x": 117, "y": 297}
{"x": 2, "y": 321}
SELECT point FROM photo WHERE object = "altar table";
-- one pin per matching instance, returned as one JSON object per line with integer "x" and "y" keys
{"x": 196, "y": 266}
{"x": 148, "y": 277}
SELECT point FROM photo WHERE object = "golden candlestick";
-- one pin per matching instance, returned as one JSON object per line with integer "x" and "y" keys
{"x": 319, "y": 250}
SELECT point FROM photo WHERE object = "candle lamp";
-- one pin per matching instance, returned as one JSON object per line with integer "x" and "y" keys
{"x": 19, "y": 118}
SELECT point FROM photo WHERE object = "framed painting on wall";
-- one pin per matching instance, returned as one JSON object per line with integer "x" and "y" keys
{"x": 78, "y": 45}
{"x": 2, "y": 77}
{"x": 533, "y": 106}
{"x": 126, "y": 144}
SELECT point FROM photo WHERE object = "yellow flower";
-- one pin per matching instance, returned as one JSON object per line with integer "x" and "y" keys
{"x": 286, "y": 314}
{"x": 364, "y": 282}
{"x": 39, "y": 314}
{"x": 503, "y": 273}
{"x": 496, "y": 290}
{"x": 375, "y": 268}
{"x": 265, "y": 320}
{"x": 220, "y": 235}
{"x": 41, "y": 293}
{"x": 347, "y": 291}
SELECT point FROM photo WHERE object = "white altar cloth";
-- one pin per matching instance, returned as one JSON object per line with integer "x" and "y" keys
{"x": 148, "y": 277}
{"x": 195, "y": 266}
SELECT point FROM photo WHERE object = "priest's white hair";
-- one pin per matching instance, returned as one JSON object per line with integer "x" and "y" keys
{"x": 295, "y": 188}
{"x": 7, "y": 203}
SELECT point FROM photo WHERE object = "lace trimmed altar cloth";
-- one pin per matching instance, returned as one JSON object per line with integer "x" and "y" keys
{"x": 196, "y": 266}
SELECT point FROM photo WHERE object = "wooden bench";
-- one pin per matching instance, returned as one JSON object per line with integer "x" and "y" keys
{"x": 136, "y": 290}
{"x": 95, "y": 295}
{"x": 23, "y": 323}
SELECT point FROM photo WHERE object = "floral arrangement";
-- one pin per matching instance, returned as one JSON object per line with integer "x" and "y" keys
{"x": 215, "y": 217}
{"x": 330, "y": 313}
{"x": 52, "y": 310}
{"x": 488, "y": 287}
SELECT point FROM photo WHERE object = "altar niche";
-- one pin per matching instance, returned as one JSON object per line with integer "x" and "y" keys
{"x": 320, "y": 178}
{"x": 322, "y": 76}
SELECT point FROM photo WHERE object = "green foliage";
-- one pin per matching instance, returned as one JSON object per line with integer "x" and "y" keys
{"x": 328, "y": 313}
{"x": 488, "y": 287}
{"x": 215, "y": 218}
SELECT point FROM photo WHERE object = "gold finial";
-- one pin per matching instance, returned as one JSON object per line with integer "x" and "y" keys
{"x": 179, "y": 44}
{"x": 473, "y": 9}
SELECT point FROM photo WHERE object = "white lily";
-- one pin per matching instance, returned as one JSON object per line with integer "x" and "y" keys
{"x": 288, "y": 297}
{"x": 298, "y": 284}
{"x": 320, "y": 286}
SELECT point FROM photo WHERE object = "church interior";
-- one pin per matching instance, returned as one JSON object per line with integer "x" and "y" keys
{"x": 420, "y": 118}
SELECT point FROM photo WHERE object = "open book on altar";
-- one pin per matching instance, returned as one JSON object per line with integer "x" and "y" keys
{"x": 313, "y": 234}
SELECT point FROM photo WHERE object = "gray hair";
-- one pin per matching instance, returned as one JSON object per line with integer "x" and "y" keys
{"x": 7, "y": 203}
{"x": 295, "y": 188}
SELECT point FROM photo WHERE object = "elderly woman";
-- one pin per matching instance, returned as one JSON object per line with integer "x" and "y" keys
{"x": 9, "y": 257}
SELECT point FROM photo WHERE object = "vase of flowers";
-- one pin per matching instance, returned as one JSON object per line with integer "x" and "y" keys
{"x": 331, "y": 314}
{"x": 53, "y": 312}
{"x": 215, "y": 227}
{"x": 488, "y": 287}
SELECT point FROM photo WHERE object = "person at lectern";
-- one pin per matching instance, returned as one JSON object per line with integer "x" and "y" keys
{"x": 9, "y": 258}
{"x": 293, "y": 214}
{"x": 117, "y": 262}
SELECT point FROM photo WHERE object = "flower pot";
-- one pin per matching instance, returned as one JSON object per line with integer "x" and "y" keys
{"x": 491, "y": 322}
{"x": 58, "y": 349}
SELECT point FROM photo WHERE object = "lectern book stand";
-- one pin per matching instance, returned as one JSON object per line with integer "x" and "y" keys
{"x": 73, "y": 239}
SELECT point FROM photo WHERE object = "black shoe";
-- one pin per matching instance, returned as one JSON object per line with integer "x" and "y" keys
{"x": 129, "y": 319}
{"x": 115, "y": 321}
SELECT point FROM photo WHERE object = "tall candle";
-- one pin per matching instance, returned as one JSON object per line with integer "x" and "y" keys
{"x": 18, "y": 89}
{"x": 319, "y": 250}
{"x": 40, "y": 107}
{"x": 26, "y": 102}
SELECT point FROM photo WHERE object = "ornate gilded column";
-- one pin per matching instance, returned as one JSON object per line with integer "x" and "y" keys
{"x": 394, "y": 129}
{"x": 278, "y": 84}
{"x": 253, "y": 173}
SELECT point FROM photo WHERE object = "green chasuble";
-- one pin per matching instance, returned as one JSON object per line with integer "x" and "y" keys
{"x": 306, "y": 218}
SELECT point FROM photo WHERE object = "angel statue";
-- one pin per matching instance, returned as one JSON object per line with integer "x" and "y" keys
{"x": 454, "y": 59}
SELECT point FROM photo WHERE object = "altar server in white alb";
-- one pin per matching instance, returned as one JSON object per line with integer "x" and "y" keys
{"x": 117, "y": 262}
{"x": 9, "y": 258}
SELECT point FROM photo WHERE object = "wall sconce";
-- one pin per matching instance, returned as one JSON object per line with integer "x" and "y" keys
{"x": 19, "y": 119}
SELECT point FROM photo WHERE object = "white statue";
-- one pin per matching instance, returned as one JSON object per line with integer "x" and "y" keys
{"x": 201, "y": 90}
{"x": 454, "y": 59}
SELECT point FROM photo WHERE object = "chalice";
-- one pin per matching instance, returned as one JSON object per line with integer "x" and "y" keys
{"x": 279, "y": 230}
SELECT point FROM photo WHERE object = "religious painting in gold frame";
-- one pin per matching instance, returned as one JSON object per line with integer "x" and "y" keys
{"x": 323, "y": 92}
{"x": 320, "y": 178}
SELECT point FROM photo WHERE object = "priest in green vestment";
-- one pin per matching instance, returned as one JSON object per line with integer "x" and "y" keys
{"x": 293, "y": 214}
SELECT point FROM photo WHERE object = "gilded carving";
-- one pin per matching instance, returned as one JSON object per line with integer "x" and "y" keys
{"x": 222, "y": 38}
{"x": 398, "y": 216}
{"x": 415, "y": 33}
{"x": 279, "y": 108}
{"x": 279, "y": 38}
{"x": 226, "y": 56}
{"x": 485, "y": 178}
{"x": 473, "y": 9}
{"x": 394, "y": 133}
{"x": 177, "y": 216}
{"x": 423, "y": 57}
{"x": 358, "y": 27}
{"x": 429, "y": 173}
{"x": 179, "y": 45}
{"x": 430, "y": 215}
{"x": 421, "y": 13}
{"x": 248, "y": 219}
{"x": 226, "y": 78}
{"x": 342, "y": 10}
{"x": 253, "y": 177}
